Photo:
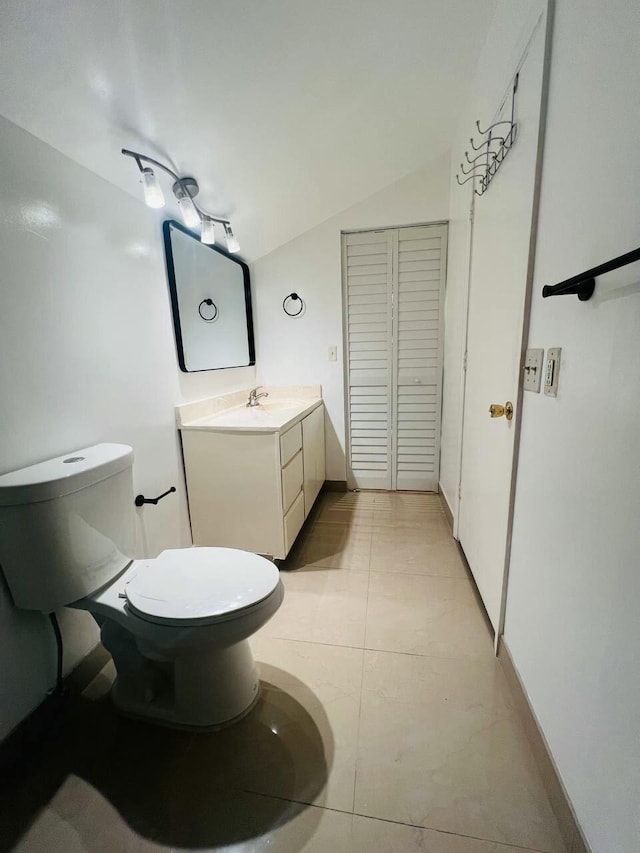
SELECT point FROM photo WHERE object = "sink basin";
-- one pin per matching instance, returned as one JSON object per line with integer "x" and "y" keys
{"x": 280, "y": 405}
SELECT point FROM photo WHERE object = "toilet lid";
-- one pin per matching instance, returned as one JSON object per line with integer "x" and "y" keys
{"x": 199, "y": 584}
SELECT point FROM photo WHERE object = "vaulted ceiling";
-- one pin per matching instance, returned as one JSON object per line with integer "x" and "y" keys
{"x": 286, "y": 111}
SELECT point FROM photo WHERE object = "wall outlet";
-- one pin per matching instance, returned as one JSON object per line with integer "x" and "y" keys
{"x": 333, "y": 353}
{"x": 533, "y": 370}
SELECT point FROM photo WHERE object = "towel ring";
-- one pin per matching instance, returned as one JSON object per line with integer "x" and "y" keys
{"x": 295, "y": 298}
{"x": 215, "y": 309}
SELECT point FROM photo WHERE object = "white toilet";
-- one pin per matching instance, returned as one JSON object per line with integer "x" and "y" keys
{"x": 177, "y": 626}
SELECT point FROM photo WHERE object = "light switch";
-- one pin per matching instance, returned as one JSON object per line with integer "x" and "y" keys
{"x": 552, "y": 371}
{"x": 333, "y": 353}
{"x": 533, "y": 370}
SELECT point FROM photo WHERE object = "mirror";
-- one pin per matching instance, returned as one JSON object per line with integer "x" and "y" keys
{"x": 211, "y": 303}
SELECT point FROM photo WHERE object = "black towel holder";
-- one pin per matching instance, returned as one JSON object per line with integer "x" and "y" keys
{"x": 215, "y": 310}
{"x": 583, "y": 285}
{"x": 141, "y": 500}
{"x": 294, "y": 297}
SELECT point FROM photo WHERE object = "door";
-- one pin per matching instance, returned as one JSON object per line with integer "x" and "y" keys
{"x": 393, "y": 294}
{"x": 417, "y": 362}
{"x": 502, "y": 251}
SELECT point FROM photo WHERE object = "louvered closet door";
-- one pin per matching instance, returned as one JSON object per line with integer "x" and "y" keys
{"x": 393, "y": 294}
{"x": 417, "y": 336}
{"x": 367, "y": 268}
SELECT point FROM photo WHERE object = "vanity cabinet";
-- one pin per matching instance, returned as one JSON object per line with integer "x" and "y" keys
{"x": 313, "y": 456}
{"x": 253, "y": 490}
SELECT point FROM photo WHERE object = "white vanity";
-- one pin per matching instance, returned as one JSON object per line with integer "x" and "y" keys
{"x": 253, "y": 473}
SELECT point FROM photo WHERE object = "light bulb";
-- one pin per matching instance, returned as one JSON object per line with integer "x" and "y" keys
{"x": 190, "y": 215}
{"x": 152, "y": 190}
{"x": 232, "y": 243}
{"x": 208, "y": 233}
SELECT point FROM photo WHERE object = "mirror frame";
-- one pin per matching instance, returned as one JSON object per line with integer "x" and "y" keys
{"x": 173, "y": 290}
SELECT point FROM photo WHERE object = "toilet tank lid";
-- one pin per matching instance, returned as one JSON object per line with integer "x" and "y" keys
{"x": 64, "y": 474}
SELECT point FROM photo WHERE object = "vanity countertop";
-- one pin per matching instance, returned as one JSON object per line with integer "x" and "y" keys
{"x": 276, "y": 413}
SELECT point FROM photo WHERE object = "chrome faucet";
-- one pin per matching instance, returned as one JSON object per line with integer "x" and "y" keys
{"x": 254, "y": 397}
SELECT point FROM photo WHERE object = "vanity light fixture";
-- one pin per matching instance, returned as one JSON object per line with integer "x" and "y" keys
{"x": 232, "y": 243}
{"x": 208, "y": 233}
{"x": 153, "y": 195}
{"x": 185, "y": 190}
{"x": 188, "y": 210}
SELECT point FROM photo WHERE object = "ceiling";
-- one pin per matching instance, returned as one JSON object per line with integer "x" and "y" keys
{"x": 286, "y": 111}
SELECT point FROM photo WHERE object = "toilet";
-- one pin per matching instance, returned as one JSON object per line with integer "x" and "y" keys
{"x": 177, "y": 626}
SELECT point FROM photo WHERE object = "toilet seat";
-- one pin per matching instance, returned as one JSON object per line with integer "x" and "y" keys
{"x": 199, "y": 586}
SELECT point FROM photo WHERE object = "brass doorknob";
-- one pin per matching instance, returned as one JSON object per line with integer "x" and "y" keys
{"x": 497, "y": 411}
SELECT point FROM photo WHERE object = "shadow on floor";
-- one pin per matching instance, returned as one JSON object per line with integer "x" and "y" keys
{"x": 100, "y": 773}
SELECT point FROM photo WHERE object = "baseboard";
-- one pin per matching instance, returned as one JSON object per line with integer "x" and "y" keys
{"x": 556, "y": 792}
{"x": 445, "y": 506}
{"x": 334, "y": 486}
{"x": 29, "y": 734}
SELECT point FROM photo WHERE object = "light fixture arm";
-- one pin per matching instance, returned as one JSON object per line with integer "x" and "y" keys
{"x": 139, "y": 158}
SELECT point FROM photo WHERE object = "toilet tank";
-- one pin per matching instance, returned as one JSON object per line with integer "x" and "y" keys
{"x": 67, "y": 525}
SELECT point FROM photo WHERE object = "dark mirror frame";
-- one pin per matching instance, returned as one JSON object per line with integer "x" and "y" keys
{"x": 173, "y": 290}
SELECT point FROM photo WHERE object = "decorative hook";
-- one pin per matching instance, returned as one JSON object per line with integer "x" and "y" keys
{"x": 466, "y": 181}
{"x": 491, "y": 139}
{"x": 491, "y": 126}
{"x": 470, "y": 171}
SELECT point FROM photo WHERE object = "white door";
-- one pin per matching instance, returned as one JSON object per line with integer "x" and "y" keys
{"x": 502, "y": 244}
{"x": 393, "y": 296}
{"x": 417, "y": 373}
{"x": 367, "y": 269}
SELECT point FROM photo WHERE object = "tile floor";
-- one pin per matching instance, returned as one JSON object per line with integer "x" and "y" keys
{"x": 384, "y": 724}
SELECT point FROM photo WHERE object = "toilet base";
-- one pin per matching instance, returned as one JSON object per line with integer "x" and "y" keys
{"x": 184, "y": 727}
{"x": 198, "y": 688}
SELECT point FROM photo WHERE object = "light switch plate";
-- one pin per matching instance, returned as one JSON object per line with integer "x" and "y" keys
{"x": 533, "y": 370}
{"x": 552, "y": 371}
{"x": 333, "y": 353}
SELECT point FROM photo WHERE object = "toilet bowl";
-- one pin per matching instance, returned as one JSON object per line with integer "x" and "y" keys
{"x": 177, "y": 626}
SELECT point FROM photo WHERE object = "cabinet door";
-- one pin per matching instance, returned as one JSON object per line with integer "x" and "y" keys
{"x": 313, "y": 456}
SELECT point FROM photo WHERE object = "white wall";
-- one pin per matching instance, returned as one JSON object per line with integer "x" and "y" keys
{"x": 572, "y": 622}
{"x": 295, "y": 351}
{"x": 86, "y": 355}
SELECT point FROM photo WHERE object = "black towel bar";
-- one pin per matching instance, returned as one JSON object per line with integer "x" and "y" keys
{"x": 584, "y": 284}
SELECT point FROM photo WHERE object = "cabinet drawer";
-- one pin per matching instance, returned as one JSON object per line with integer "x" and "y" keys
{"x": 291, "y": 481}
{"x": 293, "y": 521}
{"x": 290, "y": 444}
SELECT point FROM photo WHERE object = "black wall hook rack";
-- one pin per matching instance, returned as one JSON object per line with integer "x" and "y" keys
{"x": 493, "y": 149}
{"x": 141, "y": 500}
{"x": 583, "y": 285}
{"x": 294, "y": 297}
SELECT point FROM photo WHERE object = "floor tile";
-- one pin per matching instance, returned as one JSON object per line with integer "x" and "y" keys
{"x": 78, "y": 819}
{"x": 334, "y": 546}
{"x": 325, "y": 681}
{"x": 425, "y": 616}
{"x": 408, "y": 555}
{"x": 378, "y": 836}
{"x": 434, "y": 527}
{"x": 443, "y": 736}
{"x": 323, "y": 605}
